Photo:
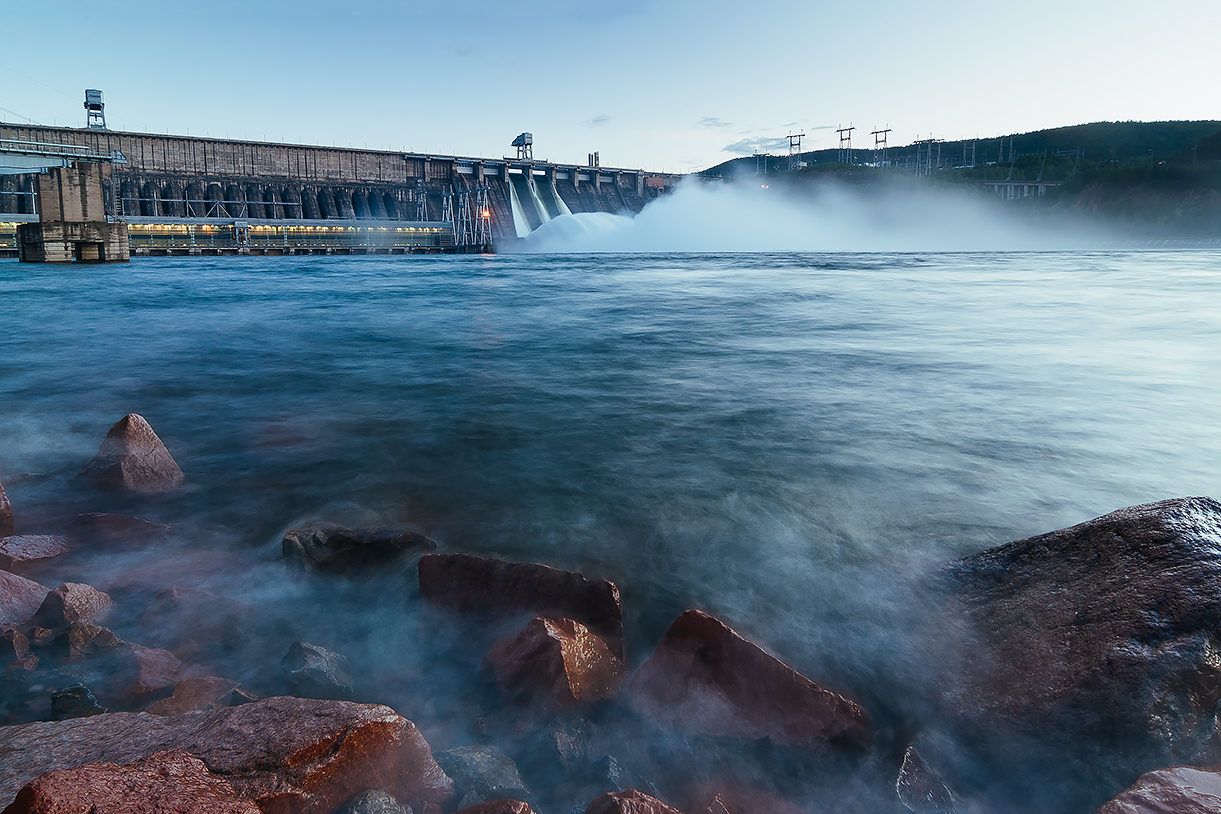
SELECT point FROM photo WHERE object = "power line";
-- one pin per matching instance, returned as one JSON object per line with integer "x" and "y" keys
{"x": 18, "y": 115}
{"x": 32, "y": 79}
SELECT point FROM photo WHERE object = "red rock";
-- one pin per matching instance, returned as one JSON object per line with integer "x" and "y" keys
{"x": 7, "y": 528}
{"x": 13, "y": 645}
{"x": 82, "y": 641}
{"x": 706, "y": 678}
{"x": 115, "y": 528}
{"x": 629, "y": 802}
{"x": 133, "y": 457}
{"x": 557, "y": 659}
{"x": 499, "y": 807}
{"x": 1180, "y": 790}
{"x": 73, "y": 602}
{"x": 286, "y": 754}
{"x": 205, "y": 692}
{"x": 133, "y": 675}
{"x": 16, "y": 552}
{"x": 1104, "y": 633}
{"x": 172, "y": 782}
{"x": 469, "y": 583}
{"x": 20, "y": 599}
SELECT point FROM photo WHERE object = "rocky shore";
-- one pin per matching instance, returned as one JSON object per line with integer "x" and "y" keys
{"x": 1092, "y": 651}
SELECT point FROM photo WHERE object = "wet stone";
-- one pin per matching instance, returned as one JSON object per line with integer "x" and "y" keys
{"x": 315, "y": 672}
{"x": 76, "y": 701}
{"x": 133, "y": 458}
{"x": 22, "y": 550}
{"x": 20, "y": 599}
{"x": 920, "y": 788}
{"x": 373, "y": 801}
{"x": 331, "y": 548}
{"x": 7, "y": 527}
{"x": 484, "y": 770}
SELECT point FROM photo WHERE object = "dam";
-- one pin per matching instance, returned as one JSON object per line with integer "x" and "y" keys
{"x": 197, "y": 195}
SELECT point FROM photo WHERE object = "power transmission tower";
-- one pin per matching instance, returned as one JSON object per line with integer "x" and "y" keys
{"x": 794, "y": 149}
{"x": 879, "y": 146}
{"x": 845, "y": 144}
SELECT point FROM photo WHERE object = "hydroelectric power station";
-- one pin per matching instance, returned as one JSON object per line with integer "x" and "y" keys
{"x": 192, "y": 195}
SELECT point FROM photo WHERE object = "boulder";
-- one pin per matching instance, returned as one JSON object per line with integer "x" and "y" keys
{"x": 334, "y": 549}
{"x": 125, "y": 674}
{"x": 171, "y": 782}
{"x": 1105, "y": 632}
{"x": 498, "y": 807}
{"x": 76, "y": 701}
{"x": 315, "y": 672}
{"x": 204, "y": 692}
{"x": 285, "y": 754}
{"x": 13, "y": 645}
{"x": 920, "y": 788}
{"x": 479, "y": 584}
{"x": 373, "y": 801}
{"x": 101, "y": 527}
{"x": 21, "y": 550}
{"x": 1180, "y": 790}
{"x": 20, "y": 599}
{"x": 7, "y": 527}
{"x": 132, "y": 457}
{"x": 705, "y": 678}
{"x": 73, "y": 602}
{"x": 484, "y": 770}
{"x": 629, "y": 802}
{"x": 556, "y": 659}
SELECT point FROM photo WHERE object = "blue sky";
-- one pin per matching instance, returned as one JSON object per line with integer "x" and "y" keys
{"x": 659, "y": 84}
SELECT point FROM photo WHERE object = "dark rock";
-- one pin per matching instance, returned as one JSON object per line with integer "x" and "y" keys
{"x": 285, "y": 754}
{"x": 20, "y": 599}
{"x": 13, "y": 645}
{"x": 82, "y": 641}
{"x": 558, "y": 660}
{"x": 100, "y": 527}
{"x": 7, "y": 527}
{"x": 18, "y": 552}
{"x": 334, "y": 549}
{"x": 373, "y": 801}
{"x": 499, "y": 807}
{"x": 315, "y": 672}
{"x": 920, "y": 788}
{"x": 629, "y": 802}
{"x": 172, "y": 782}
{"x": 1180, "y": 790}
{"x": 1105, "y": 632}
{"x": 705, "y": 678}
{"x": 484, "y": 770}
{"x": 132, "y": 457}
{"x": 128, "y": 675}
{"x": 76, "y": 701}
{"x": 72, "y": 602}
{"x": 478, "y": 584}
{"x": 204, "y": 692}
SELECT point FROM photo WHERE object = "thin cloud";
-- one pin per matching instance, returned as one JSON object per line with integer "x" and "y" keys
{"x": 712, "y": 121}
{"x": 598, "y": 121}
{"x": 750, "y": 146}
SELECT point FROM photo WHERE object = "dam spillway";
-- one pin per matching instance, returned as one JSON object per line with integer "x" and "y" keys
{"x": 190, "y": 194}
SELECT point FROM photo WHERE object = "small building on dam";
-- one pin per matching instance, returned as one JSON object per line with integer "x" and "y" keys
{"x": 192, "y": 195}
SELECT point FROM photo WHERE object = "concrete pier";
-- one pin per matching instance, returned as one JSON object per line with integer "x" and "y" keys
{"x": 72, "y": 221}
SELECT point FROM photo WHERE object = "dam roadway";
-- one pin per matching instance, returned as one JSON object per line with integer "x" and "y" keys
{"x": 193, "y": 195}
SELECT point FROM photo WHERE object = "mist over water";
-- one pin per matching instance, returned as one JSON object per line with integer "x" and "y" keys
{"x": 786, "y": 440}
{"x": 766, "y": 217}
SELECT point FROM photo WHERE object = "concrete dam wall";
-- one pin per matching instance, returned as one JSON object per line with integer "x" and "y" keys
{"x": 181, "y": 179}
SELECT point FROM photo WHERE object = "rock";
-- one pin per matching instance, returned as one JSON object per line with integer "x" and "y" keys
{"x": 556, "y": 659}
{"x": 478, "y": 584}
{"x": 334, "y": 549}
{"x": 126, "y": 674}
{"x": 76, "y": 701}
{"x": 72, "y": 602}
{"x": 373, "y": 801}
{"x": 13, "y": 645}
{"x": 285, "y": 754}
{"x": 204, "y": 692}
{"x": 18, "y": 552}
{"x": 1180, "y": 790}
{"x": 101, "y": 527}
{"x": 746, "y": 801}
{"x": 171, "y": 782}
{"x": 7, "y": 527}
{"x": 1105, "y": 632}
{"x": 498, "y": 807}
{"x": 705, "y": 678}
{"x": 629, "y": 802}
{"x": 315, "y": 672}
{"x": 83, "y": 641}
{"x": 920, "y": 788}
{"x": 484, "y": 770}
{"x": 20, "y": 599}
{"x": 133, "y": 457}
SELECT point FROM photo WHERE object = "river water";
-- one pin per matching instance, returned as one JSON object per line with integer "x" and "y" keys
{"x": 780, "y": 439}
